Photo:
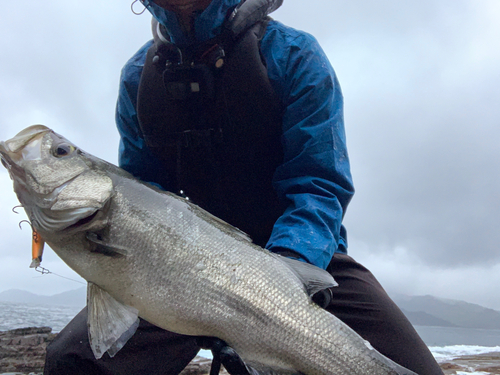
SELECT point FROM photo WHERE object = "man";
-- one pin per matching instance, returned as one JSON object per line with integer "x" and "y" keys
{"x": 244, "y": 116}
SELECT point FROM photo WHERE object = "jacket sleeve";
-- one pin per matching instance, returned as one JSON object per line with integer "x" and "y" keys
{"x": 133, "y": 155}
{"x": 314, "y": 182}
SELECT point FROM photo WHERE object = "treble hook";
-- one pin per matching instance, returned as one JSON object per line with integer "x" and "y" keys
{"x": 25, "y": 221}
{"x": 37, "y": 245}
{"x": 14, "y": 208}
{"x": 132, "y": 8}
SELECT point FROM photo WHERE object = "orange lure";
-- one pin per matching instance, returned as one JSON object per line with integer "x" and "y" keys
{"x": 36, "y": 249}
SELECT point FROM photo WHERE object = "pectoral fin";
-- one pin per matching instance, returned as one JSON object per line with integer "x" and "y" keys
{"x": 104, "y": 247}
{"x": 110, "y": 323}
{"x": 313, "y": 278}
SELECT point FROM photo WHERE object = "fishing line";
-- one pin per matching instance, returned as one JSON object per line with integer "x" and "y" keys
{"x": 45, "y": 271}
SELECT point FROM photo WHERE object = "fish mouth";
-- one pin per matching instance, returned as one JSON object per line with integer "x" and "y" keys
{"x": 24, "y": 145}
{"x": 23, "y": 138}
{"x": 9, "y": 164}
{"x": 15, "y": 147}
{"x": 16, "y": 173}
{"x": 4, "y": 156}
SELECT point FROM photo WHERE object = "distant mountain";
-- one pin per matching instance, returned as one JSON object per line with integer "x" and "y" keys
{"x": 75, "y": 297}
{"x": 420, "y": 318}
{"x": 433, "y": 311}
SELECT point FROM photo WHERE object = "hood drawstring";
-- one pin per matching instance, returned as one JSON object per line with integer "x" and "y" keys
{"x": 132, "y": 8}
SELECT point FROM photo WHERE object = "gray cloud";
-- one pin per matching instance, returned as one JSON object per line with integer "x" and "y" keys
{"x": 421, "y": 84}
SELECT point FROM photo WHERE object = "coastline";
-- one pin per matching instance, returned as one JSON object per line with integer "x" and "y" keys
{"x": 22, "y": 352}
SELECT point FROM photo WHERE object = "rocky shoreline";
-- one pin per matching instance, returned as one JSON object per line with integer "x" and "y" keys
{"x": 22, "y": 352}
{"x": 487, "y": 364}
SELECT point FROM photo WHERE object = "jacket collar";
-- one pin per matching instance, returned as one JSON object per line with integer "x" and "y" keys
{"x": 207, "y": 24}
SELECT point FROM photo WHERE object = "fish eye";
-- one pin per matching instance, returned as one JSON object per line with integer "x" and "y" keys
{"x": 63, "y": 149}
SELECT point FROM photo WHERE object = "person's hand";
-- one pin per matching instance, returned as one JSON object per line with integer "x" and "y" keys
{"x": 323, "y": 298}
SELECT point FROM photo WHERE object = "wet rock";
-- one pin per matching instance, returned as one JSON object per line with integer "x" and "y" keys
{"x": 482, "y": 363}
{"x": 200, "y": 366}
{"x": 493, "y": 370}
{"x": 23, "y": 350}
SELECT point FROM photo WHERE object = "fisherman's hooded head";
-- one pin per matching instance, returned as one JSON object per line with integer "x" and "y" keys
{"x": 183, "y": 7}
{"x": 190, "y": 21}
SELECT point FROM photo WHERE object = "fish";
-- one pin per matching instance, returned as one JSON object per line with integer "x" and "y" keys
{"x": 147, "y": 253}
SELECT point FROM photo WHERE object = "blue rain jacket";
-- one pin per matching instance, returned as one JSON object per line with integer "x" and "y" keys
{"x": 314, "y": 180}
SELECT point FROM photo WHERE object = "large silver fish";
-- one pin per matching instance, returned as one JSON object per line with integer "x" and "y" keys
{"x": 150, "y": 254}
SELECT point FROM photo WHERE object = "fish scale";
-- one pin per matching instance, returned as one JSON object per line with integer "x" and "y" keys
{"x": 150, "y": 254}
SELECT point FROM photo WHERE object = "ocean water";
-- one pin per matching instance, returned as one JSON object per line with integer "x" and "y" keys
{"x": 445, "y": 343}
{"x": 21, "y": 315}
{"x": 446, "y": 336}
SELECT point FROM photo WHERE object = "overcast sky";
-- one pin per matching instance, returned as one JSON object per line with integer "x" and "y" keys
{"x": 421, "y": 83}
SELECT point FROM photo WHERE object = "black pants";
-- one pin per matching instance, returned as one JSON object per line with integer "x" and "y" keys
{"x": 359, "y": 300}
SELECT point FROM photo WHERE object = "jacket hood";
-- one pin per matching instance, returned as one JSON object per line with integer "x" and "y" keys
{"x": 207, "y": 24}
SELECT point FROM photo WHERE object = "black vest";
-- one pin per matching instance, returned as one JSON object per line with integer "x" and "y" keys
{"x": 213, "y": 119}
